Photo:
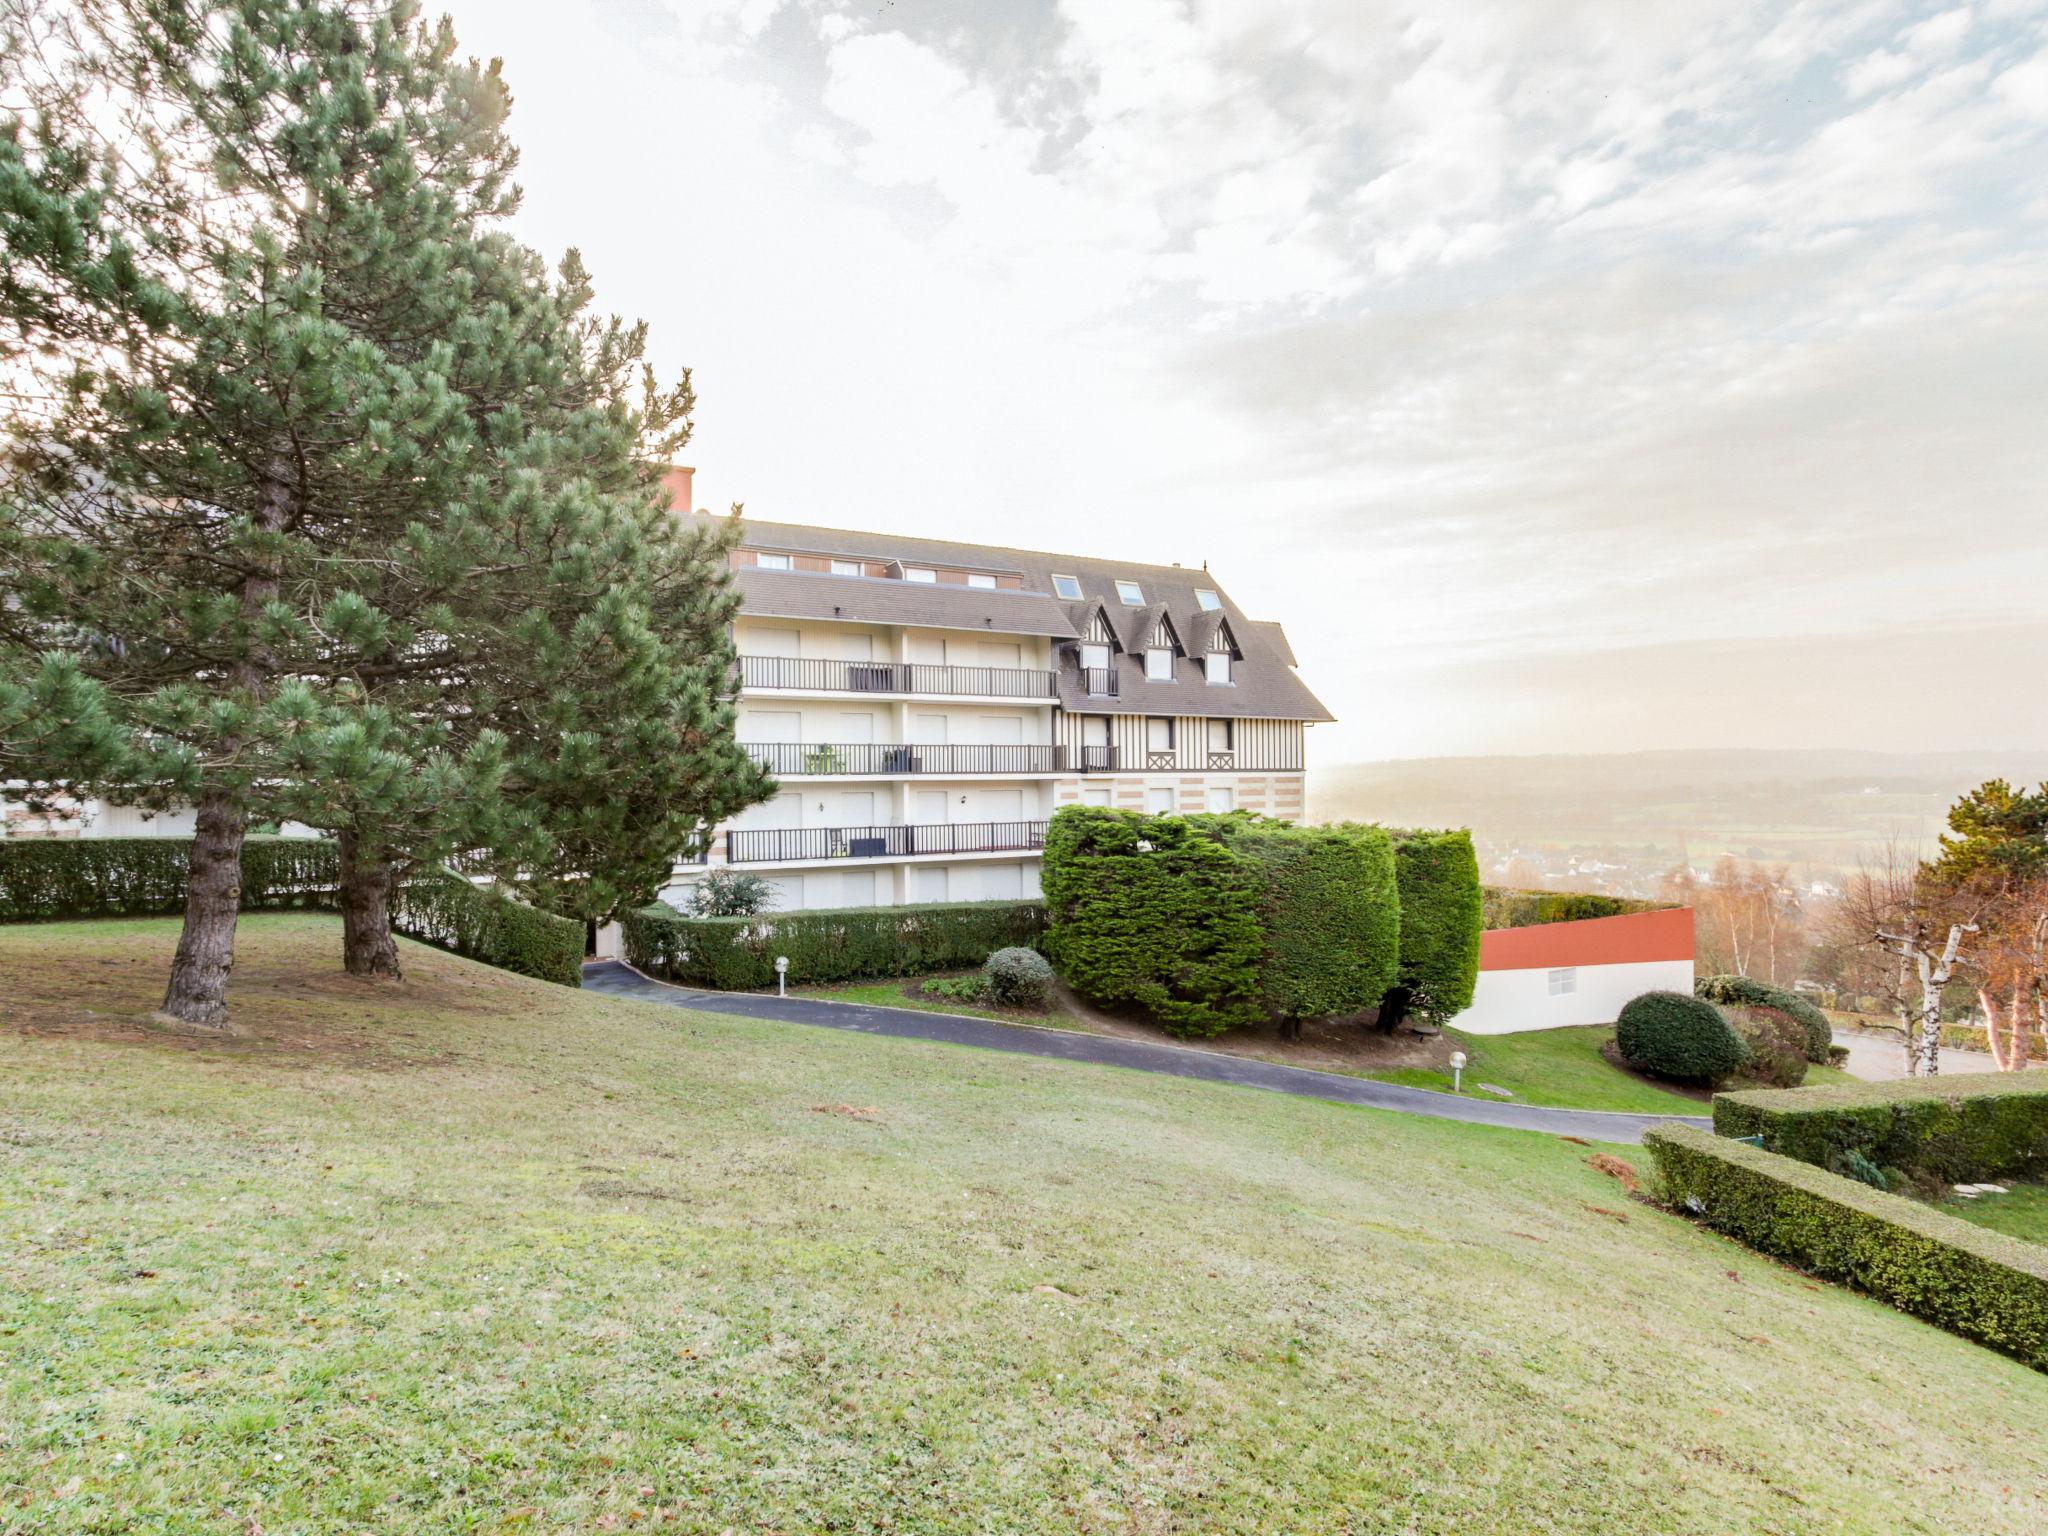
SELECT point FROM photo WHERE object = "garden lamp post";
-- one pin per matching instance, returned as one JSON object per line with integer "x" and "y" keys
{"x": 781, "y": 971}
{"x": 1457, "y": 1071}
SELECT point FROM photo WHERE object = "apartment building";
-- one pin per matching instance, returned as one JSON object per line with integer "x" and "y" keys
{"x": 926, "y": 705}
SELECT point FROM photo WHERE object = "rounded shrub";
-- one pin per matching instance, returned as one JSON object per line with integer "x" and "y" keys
{"x": 1776, "y": 1043}
{"x": 1674, "y": 1035}
{"x": 1018, "y": 978}
{"x": 1747, "y": 992}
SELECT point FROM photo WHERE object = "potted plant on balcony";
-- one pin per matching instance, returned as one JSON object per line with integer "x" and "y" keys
{"x": 822, "y": 760}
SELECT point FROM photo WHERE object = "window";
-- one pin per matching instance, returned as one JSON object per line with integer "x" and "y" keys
{"x": 1129, "y": 594}
{"x": 1159, "y": 801}
{"x": 1221, "y": 800}
{"x": 1095, "y": 794}
{"x": 1564, "y": 980}
{"x": 1068, "y": 587}
{"x": 1208, "y": 600}
{"x": 1159, "y": 734}
{"x": 919, "y": 573}
{"x": 846, "y": 567}
{"x": 1159, "y": 665}
{"x": 774, "y": 562}
{"x": 1095, "y": 657}
{"x": 1218, "y": 663}
{"x": 1221, "y": 736}
{"x": 979, "y": 579}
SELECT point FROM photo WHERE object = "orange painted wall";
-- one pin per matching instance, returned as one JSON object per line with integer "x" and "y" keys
{"x": 1625, "y": 940}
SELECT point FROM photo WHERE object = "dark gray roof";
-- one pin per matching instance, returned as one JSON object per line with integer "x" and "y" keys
{"x": 1265, "y": 686}
{"x": 886, "y": 600}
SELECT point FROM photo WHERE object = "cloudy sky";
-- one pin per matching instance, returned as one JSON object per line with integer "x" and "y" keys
{"x": 1592, "y": 376}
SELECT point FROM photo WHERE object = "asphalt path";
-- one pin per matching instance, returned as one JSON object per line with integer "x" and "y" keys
{"x": 616, "y": 979}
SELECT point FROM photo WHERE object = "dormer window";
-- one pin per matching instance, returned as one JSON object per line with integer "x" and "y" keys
{"x": 919, "y": 573}
{"x": 1218, "y": 665}
{"x": 846, "y": 568}
{"x": 775, "y": 562}
{"x": 980, "y": 579}
{"x": 1208, "y": 601}
{"x": 1159, "y": 664}
{"x": 1068, "y": 587}
{"x": 1129, "y": 594}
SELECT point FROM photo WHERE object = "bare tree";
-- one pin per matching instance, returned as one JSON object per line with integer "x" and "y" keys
{"x": 1888, "y": 906}
{"x": 1748, "y": 919}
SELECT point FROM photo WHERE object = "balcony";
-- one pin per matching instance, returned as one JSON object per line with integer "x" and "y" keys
{"x": 1099, "y": 682}
{"x": 1098, "y": 759}
{"x": 804, "y": 674}
{"x": 776, "y": 845}
{"x": 791, "y": 759}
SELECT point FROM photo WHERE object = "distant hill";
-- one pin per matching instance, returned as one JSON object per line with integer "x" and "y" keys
{"x": 1817, "y": 811}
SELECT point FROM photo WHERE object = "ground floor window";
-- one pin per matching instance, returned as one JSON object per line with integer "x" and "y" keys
{"x": 1563, "y": 980}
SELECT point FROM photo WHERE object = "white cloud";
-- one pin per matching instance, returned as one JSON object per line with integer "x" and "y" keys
{"x": 1537, "y": 328}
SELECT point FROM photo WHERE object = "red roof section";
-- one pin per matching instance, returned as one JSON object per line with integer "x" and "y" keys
{"x": 1629, "y": 940}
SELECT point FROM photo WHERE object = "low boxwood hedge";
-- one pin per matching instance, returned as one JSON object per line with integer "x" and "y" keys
{"x": 848, "y": 944}
{"x": 1965, "y": 1278}
{"x": 1506, "y": 908}
{"x": 1988, "y": 1125}
{"x": 1746, "y": 992}
{"x": 441, "y": 908}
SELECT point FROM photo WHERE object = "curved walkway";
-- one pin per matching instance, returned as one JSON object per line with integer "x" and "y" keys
{"x": 620, "y": 980}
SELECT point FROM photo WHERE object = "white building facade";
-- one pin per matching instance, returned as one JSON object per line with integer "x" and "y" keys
{"x": 927, "y": 705}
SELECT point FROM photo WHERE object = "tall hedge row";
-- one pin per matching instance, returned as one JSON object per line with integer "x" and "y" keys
{"x": 1155, "y": 913}
{"x": 49, "y": 878}
{"x": 1330, "y": 908}
{"x": 1992, "y": 1125}
{"x": 1441, "y": 912}
{"x": 43, "y": 878}
{"x": 826, "y": 945}
{"x": 1962, "y": 1277}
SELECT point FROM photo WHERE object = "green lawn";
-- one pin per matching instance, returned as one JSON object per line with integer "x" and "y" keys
{"x": 902, "y": 992}
{"x": 2022, "y": 1211}
{"x": 478, "y": 1254}
{"x": 1563, "y": 1068}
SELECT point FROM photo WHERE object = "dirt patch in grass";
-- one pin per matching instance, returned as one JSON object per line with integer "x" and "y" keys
{"x": 289, "y": 999}
{"x": 1611, "y": 1054}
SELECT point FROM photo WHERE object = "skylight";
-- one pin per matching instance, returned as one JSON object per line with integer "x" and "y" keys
{"x": 1068, "y": 587}
{"x": 1129, "y": 594}
{"x": 1209, "y": 600}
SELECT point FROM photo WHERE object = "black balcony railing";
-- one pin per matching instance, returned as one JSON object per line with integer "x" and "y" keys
{"x": 789, "y": 759}
{"x": 1099, "y": 682}
{"x": 1098, "y": 759}
{"x": 809, "y": 674}
{"x": 762, "y": 845}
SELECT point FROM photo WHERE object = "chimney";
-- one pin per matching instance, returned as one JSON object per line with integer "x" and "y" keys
{"x": 677, "y": 483}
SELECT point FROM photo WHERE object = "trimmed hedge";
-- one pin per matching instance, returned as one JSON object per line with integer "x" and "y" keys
{"x": 1956, "y": 1129}
{"x": 1505, "y": 908}
{"x": 1675, "y": 1035}
{"x": 1961, "y": 1277}
{"x": 47, "y": 878}
{"x": 440, "y": 908}
{"x": 849, "y": 944}
{"x": 1331, "y": 911}
{"x": 1154, "y": 913}
{"x": 1441, "y": 910}
{"x": 1743, "y": 992}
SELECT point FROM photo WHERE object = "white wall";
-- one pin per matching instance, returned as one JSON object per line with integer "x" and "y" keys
{"x": 1508, "y": 1002}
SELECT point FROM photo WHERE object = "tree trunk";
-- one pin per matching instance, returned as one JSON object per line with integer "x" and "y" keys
{"x": 198, "y": 990}
{"x": 367, "y": 883}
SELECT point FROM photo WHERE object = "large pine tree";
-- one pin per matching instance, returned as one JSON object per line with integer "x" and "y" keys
{"x": 340, "y": 504}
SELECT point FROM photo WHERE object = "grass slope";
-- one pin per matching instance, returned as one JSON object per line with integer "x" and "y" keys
{"x": 478, "y": 1254}
{"x": 2022, "y": 1211}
